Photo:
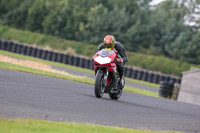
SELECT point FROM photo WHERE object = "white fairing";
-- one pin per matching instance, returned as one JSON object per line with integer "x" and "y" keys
{"x": 103, "y": 60}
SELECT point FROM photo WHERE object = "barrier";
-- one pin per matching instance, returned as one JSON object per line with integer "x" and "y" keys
{"x": 150, "y": 76}
{"x": 130, "y": 72}
{"x": 87, "y": 63}
{"x": 60, "y": 57}
{"x": 139, "y": 74}
{"x": 65, "y": 59}
{"x": 76, "y": 61}
{"x": 164, "y": 89}
{"x": 156, "y": 78}
{"x": 83, "y": 62}
{"x": 145, "y": 76}
{"x": 134, "y": 73}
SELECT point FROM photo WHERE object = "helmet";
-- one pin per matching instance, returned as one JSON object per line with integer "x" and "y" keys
{"x": 109, "y": 42}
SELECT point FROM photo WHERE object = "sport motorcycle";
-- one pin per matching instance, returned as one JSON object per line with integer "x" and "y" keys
{"x": 107, "y": 78}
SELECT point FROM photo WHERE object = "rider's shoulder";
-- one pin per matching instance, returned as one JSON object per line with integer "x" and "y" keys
{"x": 118, "y": 44}
{"x": 101, "y": 44}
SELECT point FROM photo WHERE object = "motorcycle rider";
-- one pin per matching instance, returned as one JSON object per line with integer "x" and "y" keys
{"x": 110, "y": 43}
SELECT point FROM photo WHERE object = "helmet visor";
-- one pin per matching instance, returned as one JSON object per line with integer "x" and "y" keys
{"x": 108, "y": 46}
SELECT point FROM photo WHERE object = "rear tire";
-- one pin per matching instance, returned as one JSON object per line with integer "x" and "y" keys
{"x": 98, "y": 87}
{"x": 116, "y": 95}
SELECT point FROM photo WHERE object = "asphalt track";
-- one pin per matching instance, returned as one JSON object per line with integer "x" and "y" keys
{"x": 25, "y": 95}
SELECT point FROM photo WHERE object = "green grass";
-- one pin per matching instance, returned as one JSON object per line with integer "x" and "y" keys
{"x": 140, "y": 91}
{"x": 11, "y": 66}
{"x": 142, "y": 82}
{"x": 41, "y": 126}
{"x": 45, "y": 61}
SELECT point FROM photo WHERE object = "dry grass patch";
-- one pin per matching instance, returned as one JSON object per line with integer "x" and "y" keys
{"x": 34, "y": 64}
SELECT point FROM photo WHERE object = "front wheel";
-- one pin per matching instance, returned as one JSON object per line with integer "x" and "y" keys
{"x": 99, "y": 87}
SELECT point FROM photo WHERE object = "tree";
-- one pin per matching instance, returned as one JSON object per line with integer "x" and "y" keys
{"x": 36, "y": 15}
{"x": 166, "y": 24}
{"x": 16, "y": 16}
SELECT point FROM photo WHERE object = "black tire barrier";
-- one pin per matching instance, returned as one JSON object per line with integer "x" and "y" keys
{"x": 3, "y": 44}
{"x": 60, "y": 57}
{"x": 70, "y": 60}
{"x": 164, "y": 90}
{"x": 24, "y": 50}
{"x": 82, "y": 62}
{"x": 172, "y": 81}
{"x": 9, "y": 47}
{"x": 129, "y": 72}
{"x": 49, "y": 55}
{"x": 145, "y": 76}
{"x": 65, "y": 59}
{"x": 134, "y": 73}
{"x": 162, "y": 78}
{"x": 150, "y": 76}
{"x": 18, "y": 48}
{"x": 178, "y": 80}
{"x": 139, "y": 75}
{"x": 44, "y": 54}
{"x": 14, "y": 48}
{"x": 167, "y": 78}
{"x": 29, "y": 50}
{"x": 125, "y": 71}
{"x": 54, "y": 56}
{"x": 91, "y": 65}
{"x": 76, "y": 61}
{"x": 39, "y": 53}
{"x": 156, "y": 78}
{"x": 87, "y": 63}
{"x": 34, "y": 52}
{"x": 0, "y": 44}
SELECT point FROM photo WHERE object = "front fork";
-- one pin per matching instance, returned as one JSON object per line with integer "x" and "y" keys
{"x": 105, "y": 79}
{"x": 105, "y": 75}
{"x": 110, "y": 79}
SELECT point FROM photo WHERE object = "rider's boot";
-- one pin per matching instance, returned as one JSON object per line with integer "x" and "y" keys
{"x": 121, "y": 81}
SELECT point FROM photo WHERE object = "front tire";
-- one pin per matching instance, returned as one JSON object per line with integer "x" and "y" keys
{"x": 98, "y": 87}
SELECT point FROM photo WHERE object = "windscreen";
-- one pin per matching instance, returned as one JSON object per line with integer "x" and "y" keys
{"x": 106, "y": 53}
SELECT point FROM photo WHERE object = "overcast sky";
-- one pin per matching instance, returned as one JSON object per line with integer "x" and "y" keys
{"x": 155, "y": 2}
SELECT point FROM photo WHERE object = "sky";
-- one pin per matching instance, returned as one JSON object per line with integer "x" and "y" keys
{"x": 155, "y": 2}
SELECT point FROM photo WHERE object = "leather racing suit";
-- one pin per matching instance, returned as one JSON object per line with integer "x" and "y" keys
{"x": 121, "y": 51}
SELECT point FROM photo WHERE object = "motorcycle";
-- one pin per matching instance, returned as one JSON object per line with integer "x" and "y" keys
{"x": 107, "y": 78}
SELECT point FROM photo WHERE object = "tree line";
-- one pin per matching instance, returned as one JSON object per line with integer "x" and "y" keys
{"x": 170, "y": 28}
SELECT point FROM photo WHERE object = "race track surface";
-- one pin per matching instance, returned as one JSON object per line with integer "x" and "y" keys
{"x": 25, "y": 95}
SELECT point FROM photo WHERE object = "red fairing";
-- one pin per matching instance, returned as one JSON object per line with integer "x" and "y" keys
{"x": 105, "y": 58}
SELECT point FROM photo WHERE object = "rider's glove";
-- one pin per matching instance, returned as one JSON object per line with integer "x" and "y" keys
{"x": 118, "y": 60}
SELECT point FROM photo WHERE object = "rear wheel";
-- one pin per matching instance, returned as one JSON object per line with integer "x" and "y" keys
{"x": 99, "y": 87}
{"x": 116, "y": 95}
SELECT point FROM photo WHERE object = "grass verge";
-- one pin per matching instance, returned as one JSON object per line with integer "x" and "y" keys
{"x": 11, "y": 66}
{"x": 41, "y": 126}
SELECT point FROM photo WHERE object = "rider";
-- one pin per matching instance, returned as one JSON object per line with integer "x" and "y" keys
{"x": 110, "y": 43}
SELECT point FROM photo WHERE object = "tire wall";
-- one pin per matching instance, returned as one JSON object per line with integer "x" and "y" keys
{"x": 138, "y": 74}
